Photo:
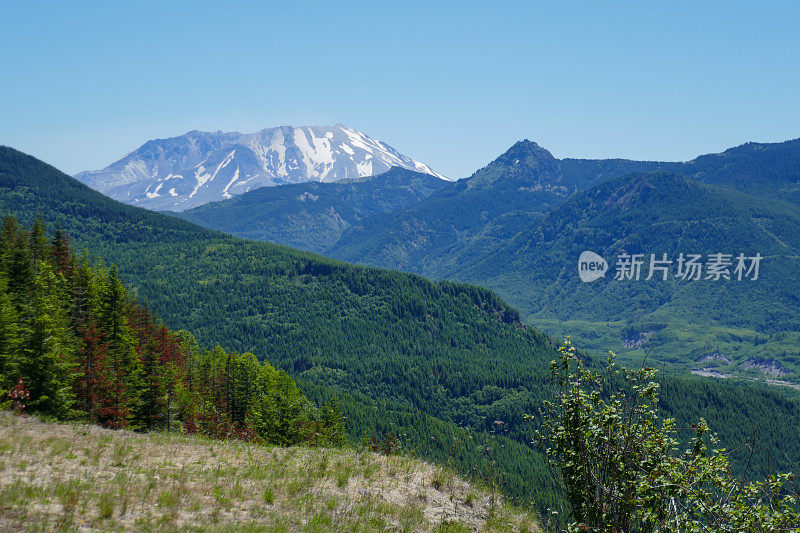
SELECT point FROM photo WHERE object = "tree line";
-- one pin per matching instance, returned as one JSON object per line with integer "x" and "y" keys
{"x": 75, "y": 344}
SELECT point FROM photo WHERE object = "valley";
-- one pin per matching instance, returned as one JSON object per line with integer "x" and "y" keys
{"x": 518, "y": 225}
{"x": 418, "y": 267}
{"x": 440, "y": 365}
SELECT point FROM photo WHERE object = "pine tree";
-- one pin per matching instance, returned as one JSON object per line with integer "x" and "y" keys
{"x": 280, "y": 410}
{"x": 331, "y": 424}
{"x": 38, "y": 243}
{"x": 61, "y": 254}
{"x": 122, "y": 372}
{"x": 17, "y": 264}
{"x": 152, "y": 394}
{"x": 9, "y": 335}
{"x": 89, "y": 369}
{"x": 173, "y": 364}
{"x": 47, "y": 346}
{"x": 73, "y": 339}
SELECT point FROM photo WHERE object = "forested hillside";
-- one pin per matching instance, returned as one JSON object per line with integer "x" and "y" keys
{"x": 411, "y": 362}
{"x": 74, "y": 343}
{"x": 462, "y": 222}
{"x": 768, "y": 170}
{"x": 313, "y": 215}
{"x": 726, "y": 324}
{"x": 388, "y": 345}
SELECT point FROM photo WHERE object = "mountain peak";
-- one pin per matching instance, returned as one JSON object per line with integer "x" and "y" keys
{"x": 524, "y": 144}
{"x": 525, "y": 165}
{"x": 200, "y": 167}
{"x": 525, "y": 151}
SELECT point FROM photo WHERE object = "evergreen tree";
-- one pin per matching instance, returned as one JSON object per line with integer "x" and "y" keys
{"x": 9, "y": 334}
{"x": 60, "y": 252}
{"x": 90, "y": 362}
{"x": 74, "y": 340}
{"x": 122, "y": 371}
{"x": 331, "y": 424}
{"x": 47, "y": 346}
{"x": 38, "y": 243}
{"x": 150, "y": 407}
{"x": 280, "y": 411}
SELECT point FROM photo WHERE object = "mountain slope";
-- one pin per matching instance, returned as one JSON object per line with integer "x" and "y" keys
{"x": 479, "y": 230}
{"x": 464, "y": 222}
{"x": 312, "y": 216}
{"x": 461, "y": 221}
{"x": 403, "y": 355}
{"x": 769, "y": 170}
{"x": 468, "y": 221}
{"x": 200, "y": 167}
{"x": 660, "y": 213}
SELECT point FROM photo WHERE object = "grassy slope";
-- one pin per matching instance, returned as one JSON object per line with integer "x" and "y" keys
{"x": 60, "y": 476}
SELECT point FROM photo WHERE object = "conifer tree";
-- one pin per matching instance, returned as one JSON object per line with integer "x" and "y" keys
{"x": 122, "y": 372}
{"x": 60, "y": 252}
{"x": 47, "y": 346}
{"x": 76, "y": 342}
{"x": 38, "y": 243}
{"x": 89, "y": 368}
{"x": 9, "y": 334}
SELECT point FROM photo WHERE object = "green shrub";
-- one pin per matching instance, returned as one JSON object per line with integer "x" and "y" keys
{"x": 621, "y": 469}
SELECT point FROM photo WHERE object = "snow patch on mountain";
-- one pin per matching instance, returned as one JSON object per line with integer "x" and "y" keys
{"x": 221, "y": 165}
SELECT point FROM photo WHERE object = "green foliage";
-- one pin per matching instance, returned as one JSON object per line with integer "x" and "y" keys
{"x": 436, "y": 364}
{"x": 74, "y": 337}
{"x": 691, "y": 320}
{"x": 36, "y": 331}
{"x": 313, "y": 216}
{"x": 518, "y": 227}
{"x": 619, "y": 464}
{"x": 461, "y": 223}
{"x": 769, "y": 170}
{"x": 505, "y": 227}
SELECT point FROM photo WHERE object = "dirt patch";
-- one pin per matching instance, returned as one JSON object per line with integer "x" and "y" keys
{"x": 715, "y": 358}
{"x": 770, "y": 367}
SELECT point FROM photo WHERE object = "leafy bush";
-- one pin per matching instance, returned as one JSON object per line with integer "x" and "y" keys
{"x": 621, "y": 468}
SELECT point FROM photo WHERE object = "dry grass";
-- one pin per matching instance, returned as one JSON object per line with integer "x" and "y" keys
{"x": 82, "y": 477}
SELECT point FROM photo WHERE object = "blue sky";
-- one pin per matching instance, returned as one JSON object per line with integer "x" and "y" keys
{"x": 451, "y": 84}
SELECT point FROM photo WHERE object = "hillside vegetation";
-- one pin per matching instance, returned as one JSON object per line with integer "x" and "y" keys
{"x": 75, "y": 344}
{"x": 767, "y": 170}
{"x": 403, "y": 356}
{"x": 496, "y": 228}
{"x": 518, "y": 226}
{"x": 690, "y": 324}
{"x": 445, "y": 371}
{"x": 62, "y": 476}
{"x": 313, "y": 216}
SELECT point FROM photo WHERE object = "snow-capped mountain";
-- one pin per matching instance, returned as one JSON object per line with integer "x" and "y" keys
{"x": 200, "y": 167}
